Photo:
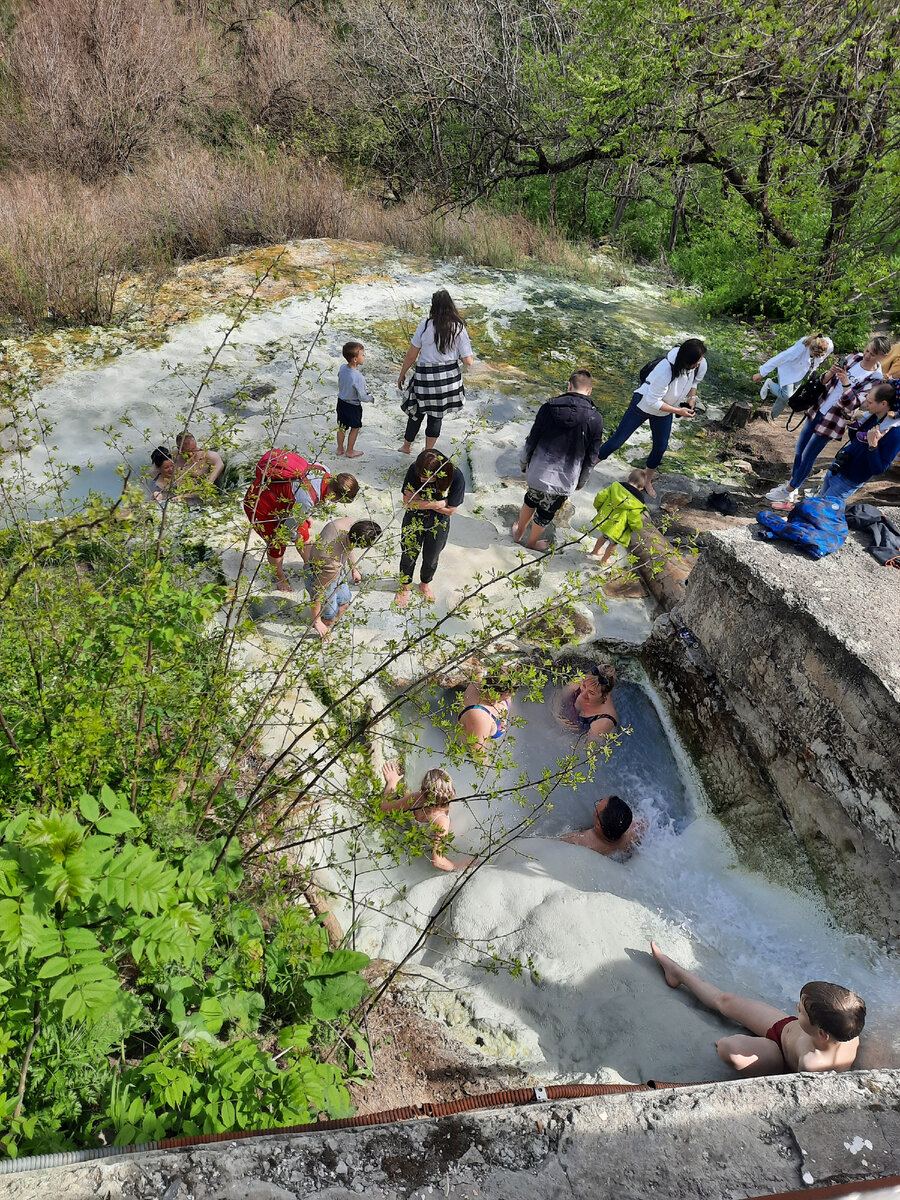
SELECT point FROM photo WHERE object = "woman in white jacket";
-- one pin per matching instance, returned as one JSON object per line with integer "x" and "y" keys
{"x": 793, "y": 365}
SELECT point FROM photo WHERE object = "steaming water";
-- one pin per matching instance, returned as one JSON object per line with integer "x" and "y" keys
{"x": 600, "y": 1007}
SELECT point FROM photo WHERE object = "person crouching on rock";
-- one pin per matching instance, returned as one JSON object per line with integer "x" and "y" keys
{"x": 824, "y": 1035}
{"x": 285, "y": 483}
{"x": 614, "y": 830}
{"x": 430, "y": 805}
{"x": 326, "y": 571}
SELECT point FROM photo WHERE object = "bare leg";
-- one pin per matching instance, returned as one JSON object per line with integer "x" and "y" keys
{"x": 595, "y": 553}
{"x": 750, "y": 1055}
{"x": 752, "y": 1014}
{"x": 535, "y": 541}
{"x": 525, "y": 515}
{"x": 430, "y": 443}
{"x": 402, "y": 597}
{"x": 649, "y": 472}
{"x": 340, "y": 441}
{"x": 351, "y": 442}
{"x": 608, "y": 553}
{"x": 406, "y": 448}
{"x": 281, "y": 581}
{"x": 425, "y": 589}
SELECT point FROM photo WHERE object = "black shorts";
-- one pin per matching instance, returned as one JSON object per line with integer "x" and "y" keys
{"x": 349, "y": 415}
{"x": 545, "y": 504}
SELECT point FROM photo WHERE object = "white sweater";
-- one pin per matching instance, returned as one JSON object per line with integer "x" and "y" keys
{"x": 660, "y": 388}
{"x": 795, "y": 363}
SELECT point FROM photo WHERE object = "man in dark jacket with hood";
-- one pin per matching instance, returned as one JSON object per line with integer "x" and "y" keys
{"x": 560, "y": 452}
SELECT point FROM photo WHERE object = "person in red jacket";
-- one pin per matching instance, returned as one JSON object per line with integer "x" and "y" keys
{"x": 283, "y": 481}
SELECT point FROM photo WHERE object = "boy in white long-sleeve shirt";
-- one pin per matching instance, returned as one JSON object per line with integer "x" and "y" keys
{"x": 352, "y": 395}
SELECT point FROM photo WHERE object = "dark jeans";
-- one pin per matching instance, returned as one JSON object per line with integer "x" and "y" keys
{"x": 632, "y": 419}
{"x": 432, "y": 427}
{"x": 424, "y": 532}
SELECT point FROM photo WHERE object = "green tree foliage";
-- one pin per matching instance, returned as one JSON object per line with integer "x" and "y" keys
{"x": 754, "y": 134}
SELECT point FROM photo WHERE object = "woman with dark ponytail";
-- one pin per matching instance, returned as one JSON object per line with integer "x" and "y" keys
{"x": 437, "y": 347}
{"x": 668, "y": 390}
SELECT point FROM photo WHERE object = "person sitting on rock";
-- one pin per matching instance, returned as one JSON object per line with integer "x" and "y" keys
{"x": 589, "y": 706}
{"x": 824, "y": 1035}
{"x": 614, "y": 830}
{"x": 162, "y": 472}
{"x": 195, "y": 467}
{"x": 430, "y": 805}
{"x": 485, "y": 715}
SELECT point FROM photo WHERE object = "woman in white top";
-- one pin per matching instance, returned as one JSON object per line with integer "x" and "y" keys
{"x": 793, "y": 365}
{"x": 437, "y": 387}
{"x": 669, "y": 390}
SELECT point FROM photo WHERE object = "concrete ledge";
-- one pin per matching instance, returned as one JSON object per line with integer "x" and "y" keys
{"x": 743, "y": 1139}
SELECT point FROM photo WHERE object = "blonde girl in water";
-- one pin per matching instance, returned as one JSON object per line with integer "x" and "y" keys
{"x": 430, "y": 805}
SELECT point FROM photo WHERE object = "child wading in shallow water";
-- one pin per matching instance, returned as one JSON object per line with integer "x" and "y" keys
{"x": 824, "y": 1036}
{"x": 430, "y": 805}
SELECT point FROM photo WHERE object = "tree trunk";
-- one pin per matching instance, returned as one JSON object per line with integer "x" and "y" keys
{"x": 624, "y": 197}
{"x": 677, "y": 211}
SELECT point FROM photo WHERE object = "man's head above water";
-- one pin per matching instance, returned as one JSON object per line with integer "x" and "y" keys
{"x": 612, "y": 818}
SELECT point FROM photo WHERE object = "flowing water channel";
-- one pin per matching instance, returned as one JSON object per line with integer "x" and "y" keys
{"x": 595, "y": 1005}
{"x": 589, "y": 1001}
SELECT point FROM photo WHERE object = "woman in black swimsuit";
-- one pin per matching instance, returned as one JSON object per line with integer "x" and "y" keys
{"x": 589, "y": 704}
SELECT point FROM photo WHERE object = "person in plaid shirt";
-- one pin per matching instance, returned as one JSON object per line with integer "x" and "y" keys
{"x": 847, "y": 383}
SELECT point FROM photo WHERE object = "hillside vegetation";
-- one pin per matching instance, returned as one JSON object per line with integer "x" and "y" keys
{"x": 751, "y": 148}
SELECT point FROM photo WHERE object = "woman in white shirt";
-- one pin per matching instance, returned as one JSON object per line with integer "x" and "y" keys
{"x": 437, "y": 387}
{"x": 793, "y": 365}
{"x": 669, "y": 390}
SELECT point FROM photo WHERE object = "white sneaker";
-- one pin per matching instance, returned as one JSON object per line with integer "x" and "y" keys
{"x": 783, "y": 494}
{"x": 764, "y": 390}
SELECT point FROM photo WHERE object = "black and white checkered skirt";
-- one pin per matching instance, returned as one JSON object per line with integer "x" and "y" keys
{"x": 436, "y": 389}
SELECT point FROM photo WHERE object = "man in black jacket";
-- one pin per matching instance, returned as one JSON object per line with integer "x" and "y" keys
{"x": 560, "y": 452}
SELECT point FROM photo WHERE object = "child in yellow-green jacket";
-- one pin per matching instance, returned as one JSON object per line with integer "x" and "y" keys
{"x": 620, "y": 513}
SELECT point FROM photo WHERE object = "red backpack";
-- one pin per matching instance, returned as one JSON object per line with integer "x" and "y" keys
{"x": 281, "y": 464}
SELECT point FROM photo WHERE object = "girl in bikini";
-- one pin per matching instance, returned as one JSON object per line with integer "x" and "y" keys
{"x": 589, "y": 706}
{"x": 430, "y": 806}
{"x": 485, "y": 716}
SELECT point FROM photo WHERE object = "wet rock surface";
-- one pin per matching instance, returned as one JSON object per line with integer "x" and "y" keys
{"x": 788, "y": 685}
{"x": 742, "y": 1139}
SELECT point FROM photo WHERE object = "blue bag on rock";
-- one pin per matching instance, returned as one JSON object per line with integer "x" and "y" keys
{"x": 815, "y": 525}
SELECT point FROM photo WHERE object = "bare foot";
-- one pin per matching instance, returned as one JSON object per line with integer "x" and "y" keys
{"x": 541, "y": 544}
{"x": 669, "y": 966}
{"x": 648, "y": 488}
{"x": 284, "y": 586}
{"x": 402, "y": 597}
{"x": 355, "y": 453}
{"x": 515, "y": 531}
{"x": 340, "y": 451}
{"x": 594, "y": 554}
{"x": 425, "y": 589}
{"x": 406, "y": 448}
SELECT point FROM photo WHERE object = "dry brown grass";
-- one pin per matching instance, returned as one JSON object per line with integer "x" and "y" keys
{"x": 65, "y": 244}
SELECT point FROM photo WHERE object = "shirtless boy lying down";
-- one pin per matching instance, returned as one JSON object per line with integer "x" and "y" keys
{"x": 824, "y": 1035}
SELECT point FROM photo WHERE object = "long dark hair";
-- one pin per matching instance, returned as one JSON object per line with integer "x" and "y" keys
{"x": 434, "y": 470}
{"x": 689, "y": 354}
{"x": 448, "y": 324}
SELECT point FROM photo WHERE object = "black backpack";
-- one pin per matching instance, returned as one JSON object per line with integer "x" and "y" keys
{"x": 648, "y": 367}
{"x": 811, "y": 392}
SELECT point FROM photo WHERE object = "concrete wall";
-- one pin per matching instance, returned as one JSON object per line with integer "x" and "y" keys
{"x": 748, "y": 1138}
{"x": 789, "y": 687}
